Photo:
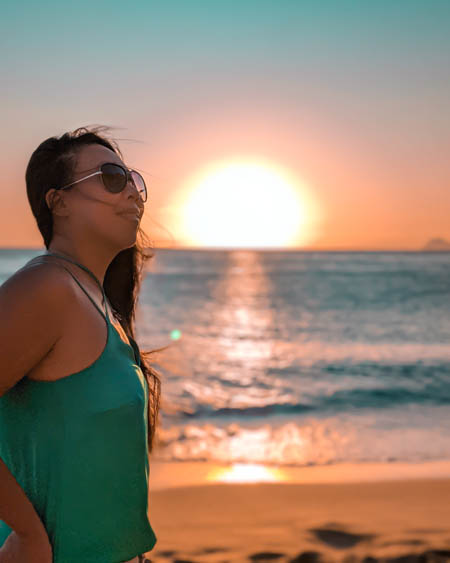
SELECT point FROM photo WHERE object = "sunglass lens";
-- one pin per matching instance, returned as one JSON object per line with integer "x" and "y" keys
{"x": 114, "y": 177}
{"x": 140, "y": 184}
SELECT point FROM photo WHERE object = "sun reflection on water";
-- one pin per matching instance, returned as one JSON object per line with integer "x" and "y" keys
{"x": 246, "y": 473}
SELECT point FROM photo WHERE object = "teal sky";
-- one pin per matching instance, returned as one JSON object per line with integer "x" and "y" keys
{"x": 351, "y": 96}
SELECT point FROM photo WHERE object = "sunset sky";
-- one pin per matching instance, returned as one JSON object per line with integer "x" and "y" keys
{"x": 284, "y": 123}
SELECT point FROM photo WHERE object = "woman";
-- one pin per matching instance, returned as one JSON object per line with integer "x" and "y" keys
{"x": 78, "y": 403}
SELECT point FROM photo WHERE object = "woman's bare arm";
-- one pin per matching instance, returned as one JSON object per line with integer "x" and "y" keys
{"x": 32, "y": 306}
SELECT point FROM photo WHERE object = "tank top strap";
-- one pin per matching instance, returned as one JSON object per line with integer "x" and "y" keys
{"x": 105, "y": 313}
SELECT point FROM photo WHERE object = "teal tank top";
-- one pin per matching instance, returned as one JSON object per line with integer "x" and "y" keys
{"x": 78, "y": 448}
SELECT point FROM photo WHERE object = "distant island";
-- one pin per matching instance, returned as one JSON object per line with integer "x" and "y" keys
{"x": 437, "y": 244}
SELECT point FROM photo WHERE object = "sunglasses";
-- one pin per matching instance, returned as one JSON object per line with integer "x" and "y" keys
{"x": 115, "y": 177}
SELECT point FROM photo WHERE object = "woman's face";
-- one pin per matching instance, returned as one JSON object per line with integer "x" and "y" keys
{"x": 93, "y": 213}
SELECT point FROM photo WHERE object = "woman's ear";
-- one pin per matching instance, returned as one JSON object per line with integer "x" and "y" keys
{"x": 55, "y": 202}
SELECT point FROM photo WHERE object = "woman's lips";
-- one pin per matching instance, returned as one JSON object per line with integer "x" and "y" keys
{"x": 131, "y": 215}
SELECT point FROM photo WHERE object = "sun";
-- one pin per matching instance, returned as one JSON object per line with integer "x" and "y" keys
{"x": 244, "y": 203}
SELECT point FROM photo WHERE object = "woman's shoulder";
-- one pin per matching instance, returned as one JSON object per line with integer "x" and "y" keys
{"x": 36, "y": 278}
{"x": 33, "y": 302}
{"x": 40, "y": 267}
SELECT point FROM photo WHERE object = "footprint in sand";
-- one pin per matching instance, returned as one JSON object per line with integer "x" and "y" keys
{"x": 338, "y": 538}
{"x": 262, "y": 556}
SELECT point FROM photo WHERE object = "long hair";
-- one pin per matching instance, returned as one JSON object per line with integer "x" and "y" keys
{"x": 52, "y": 164}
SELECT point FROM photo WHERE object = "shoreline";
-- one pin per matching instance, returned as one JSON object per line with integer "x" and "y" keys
{"x": 167, "y": 475}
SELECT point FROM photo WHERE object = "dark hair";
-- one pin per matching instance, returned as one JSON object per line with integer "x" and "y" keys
{"x": 52, "y": 164}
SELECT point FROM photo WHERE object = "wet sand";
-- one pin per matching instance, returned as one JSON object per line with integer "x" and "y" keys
{"x": 307, "y": 522}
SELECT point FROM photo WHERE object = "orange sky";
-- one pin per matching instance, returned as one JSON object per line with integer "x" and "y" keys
{"x": 354, "y": 111}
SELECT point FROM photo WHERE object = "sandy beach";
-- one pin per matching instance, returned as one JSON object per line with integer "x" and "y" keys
{"x": 283, "y": 521}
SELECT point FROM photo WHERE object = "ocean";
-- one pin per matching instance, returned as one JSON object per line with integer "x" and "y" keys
{"x": 294, "y": 358}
